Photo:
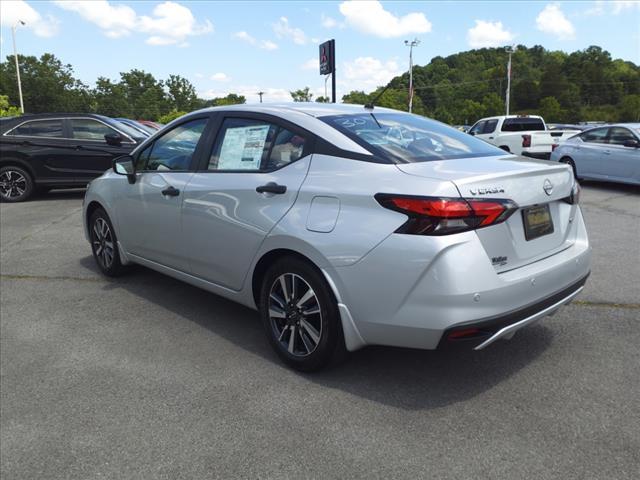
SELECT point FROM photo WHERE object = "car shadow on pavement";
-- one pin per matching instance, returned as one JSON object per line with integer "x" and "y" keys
{"x": 611, "y": 186}
{"x": 402, "y": 378}
{"x": 69, "y": 194}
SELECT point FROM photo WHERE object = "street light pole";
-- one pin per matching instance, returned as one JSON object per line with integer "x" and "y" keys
{"x": 413, "y": 43}
{"x": 15, "y": 54}
{"x": 508, "y": 95}
{"x": 260, "y": 93}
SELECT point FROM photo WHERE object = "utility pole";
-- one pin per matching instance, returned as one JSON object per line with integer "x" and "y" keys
{"x": 15, "y": 54}
{"x": 508, "y": 95}
{"x": 413, "y": 43}
{"x": 260, "y": 93}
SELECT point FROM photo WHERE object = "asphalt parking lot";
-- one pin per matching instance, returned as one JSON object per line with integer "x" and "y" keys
{"x": 147, "y": 377}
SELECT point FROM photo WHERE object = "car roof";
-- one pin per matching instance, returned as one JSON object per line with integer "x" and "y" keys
{"x": 39, "y": 116}
{"x": 313, "y": 109}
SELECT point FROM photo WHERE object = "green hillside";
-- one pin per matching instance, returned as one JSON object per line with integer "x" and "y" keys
{"x": 459, "y": 89}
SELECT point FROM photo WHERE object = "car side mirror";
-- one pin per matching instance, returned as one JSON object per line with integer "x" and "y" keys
{"x": 124, "y": 166}
{"x": 113, "y": 139}
{"x": 631, "y": 143}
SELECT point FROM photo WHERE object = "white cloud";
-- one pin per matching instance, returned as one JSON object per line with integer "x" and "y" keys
{"x": 12, "y": 11}
{"x": 488, "y": 34}
{"x": 283, "y": 29}
{"x": 169, "y": 24}
{"x": 220, "y": 77}
{"x": 268, "y": 45}
{"x": 367, "y": 73}
{"x": 311, "y": 64}
{"x": 263, "y": 44}
{"x": 371, "y": 18}
{"x": 553, "y": 21}
{"x": 328, "y": 22}
{"x": 250, "y": 92}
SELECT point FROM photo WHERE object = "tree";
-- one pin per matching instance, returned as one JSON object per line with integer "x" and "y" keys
{"x": 7, "y": 110}
{"x": 302, "y": 95}
{"x": 550, "y": 109}
{"x": 111, "y": 99}
{"x": 47, "y": 85}
{"x": 322, "y": 99}
{"x": 145, "y": 94}
{"x": 172, "y": 115}
{"x": 181, "y": 93}
{"x": 630, "y": 108}
{"x": 231, "y": 99}
{"x": 357, "y": 97}
{"x": 493, "y": 105}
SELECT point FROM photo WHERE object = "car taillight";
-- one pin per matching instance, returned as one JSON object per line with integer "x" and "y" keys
{"x": 443, "y": 216}
{"x": 526, "y": 141}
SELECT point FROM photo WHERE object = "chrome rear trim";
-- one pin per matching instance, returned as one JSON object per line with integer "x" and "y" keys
{"x": 510, "y": 329}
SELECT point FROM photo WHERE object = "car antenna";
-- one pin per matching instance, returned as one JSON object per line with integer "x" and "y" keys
{"x": 370, "y": 105}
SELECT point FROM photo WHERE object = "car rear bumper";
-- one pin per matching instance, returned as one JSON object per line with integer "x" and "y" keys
{"x": 488, "y": 330}
{"x": 412, "y": 291}
{"x": 538, "y": 155}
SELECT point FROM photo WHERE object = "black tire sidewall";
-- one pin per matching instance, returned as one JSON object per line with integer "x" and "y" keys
{"x": 29, "y": 188}
{"x": 116, "y": 266}
{"x": 331, "y": 338}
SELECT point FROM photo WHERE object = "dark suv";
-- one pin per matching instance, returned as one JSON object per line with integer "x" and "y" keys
{"x": 45, "y": 151}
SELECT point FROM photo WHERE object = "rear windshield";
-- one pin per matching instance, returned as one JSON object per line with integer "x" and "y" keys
{"x": 406, "y": 138}
{"x": 522, "y": 124}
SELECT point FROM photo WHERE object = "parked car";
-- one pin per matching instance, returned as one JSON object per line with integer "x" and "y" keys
{"x": 610, "y": 153}
{"x": 580, "y": 127}
{"x": 339, "y": 234}
{"x": 149, "y": 123}
{"x": 145, "y": 130}
{"x": 48, "y": 151}
{"x": 525, "y": 135}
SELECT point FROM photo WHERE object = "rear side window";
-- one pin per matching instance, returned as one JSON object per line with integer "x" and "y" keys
{"x": 619, "y": 135}
{"x": 88, "y": 129}
{"x": 522, "y": 124}
{"x": 254, "y": 145}
{"x": 39, "y": 128}
{"x": 597, "y": 135}
{"x": 422, "y": 139}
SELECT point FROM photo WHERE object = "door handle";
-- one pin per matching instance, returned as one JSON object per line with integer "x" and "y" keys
{"x": 171, "y": 191}
{"x": 79, "y": 147}
{"x": 490, "y": 138}
{"x": 272, "y": 188}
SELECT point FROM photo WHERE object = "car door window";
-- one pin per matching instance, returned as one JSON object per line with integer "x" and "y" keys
{"x": 490, "y": 126}
{"x": 477, "y": 128}
{"x": 619, "y": 135}
{"x": 39, "y": 128}
{"x": 173, "y": 150}
{"x": 597, "y": 135}
{"x": 254, "y": 145}
{"x": 89, "y": 129}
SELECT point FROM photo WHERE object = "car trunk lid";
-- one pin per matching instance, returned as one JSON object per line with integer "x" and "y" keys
{"x": 530, "y": 184}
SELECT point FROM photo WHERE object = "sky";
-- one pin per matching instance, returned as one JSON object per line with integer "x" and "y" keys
{"x": 270, "y": 46}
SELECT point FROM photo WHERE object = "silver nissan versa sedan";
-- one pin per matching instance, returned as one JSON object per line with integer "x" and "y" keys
{"x": 342, "y": 232}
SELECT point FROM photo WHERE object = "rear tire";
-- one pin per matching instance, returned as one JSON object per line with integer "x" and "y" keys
{"x": 16, "y": 184}
{"x": 104, "y": 244}
{"x": 300, "y": 315}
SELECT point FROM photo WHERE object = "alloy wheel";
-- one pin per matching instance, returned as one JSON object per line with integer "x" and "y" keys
{"x": 295, "y": 315}
{"x": 103, "y": 242}
{"x": 12, "y": 184}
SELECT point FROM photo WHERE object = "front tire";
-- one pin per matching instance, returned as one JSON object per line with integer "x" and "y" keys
{"x": 300, "y": 315}
{"x": 16, "y": 184}
{"x": 104, "y": 244}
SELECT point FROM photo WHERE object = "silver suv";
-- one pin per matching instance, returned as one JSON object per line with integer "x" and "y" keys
{"x": 343, "y": 233}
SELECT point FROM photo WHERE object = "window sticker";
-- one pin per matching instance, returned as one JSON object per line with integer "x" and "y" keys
{"x": 242, "y": 147}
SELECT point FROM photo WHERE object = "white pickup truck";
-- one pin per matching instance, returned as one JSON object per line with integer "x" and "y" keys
{"x": 525, "y": 135}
